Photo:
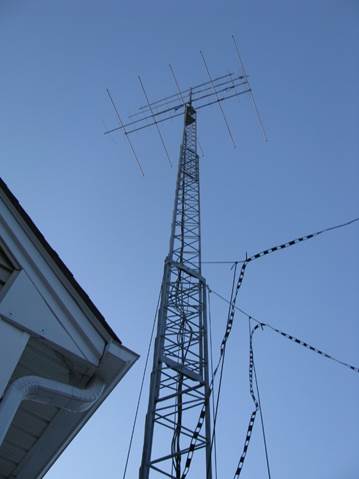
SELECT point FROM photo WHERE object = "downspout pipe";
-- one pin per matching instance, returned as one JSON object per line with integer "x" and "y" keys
{"x": 46, "y": 391}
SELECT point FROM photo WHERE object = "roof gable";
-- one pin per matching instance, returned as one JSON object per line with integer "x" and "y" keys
{"x": 53, "y": 257}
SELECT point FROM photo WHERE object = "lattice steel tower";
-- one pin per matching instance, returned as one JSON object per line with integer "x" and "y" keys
{"x": 178, "y": 422}
{"x": 180, "y": 378}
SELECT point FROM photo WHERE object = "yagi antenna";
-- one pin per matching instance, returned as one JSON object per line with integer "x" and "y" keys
{"x": 201, "y": 101}
{"x": 213, "y": 92}
{"x": 219, "y": 103}
{"x": 155, "y": 122}
{"x": 259, "y": 118}
{"x": 172, "y": 98}
{"x": 125, "y": 132}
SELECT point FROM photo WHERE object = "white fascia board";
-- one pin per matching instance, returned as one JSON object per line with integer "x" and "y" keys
{"x": 115, "y": 363}
{"x": 24, "y": 306}
{"x": 51, "y": 284}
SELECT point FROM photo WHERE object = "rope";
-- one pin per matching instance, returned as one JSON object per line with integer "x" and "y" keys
{"x": 222, "y": 368}
{"x": 213, "y": 390}
{"x": 261, "y": 411}
{"x": 256, "y": 400}
{"x": 141, "y": 389}
{"x": 288, "y": 336}
{"x": 311, "y": 348}
{"x": 229, "y": 326}
{"x": 202, "y": 415}
{"x": 256, "y": 405}
{"x": 283, "y": 245}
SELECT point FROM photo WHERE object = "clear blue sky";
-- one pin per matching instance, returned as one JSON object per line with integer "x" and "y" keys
{"x": 111, "y": 226}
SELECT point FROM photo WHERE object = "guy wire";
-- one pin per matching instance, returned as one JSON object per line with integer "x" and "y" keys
{"x": 260, "y": 407}
{"x": 213, "y": 387}
{"x": 141, "y": 387}
{"x": 222, "y": 365}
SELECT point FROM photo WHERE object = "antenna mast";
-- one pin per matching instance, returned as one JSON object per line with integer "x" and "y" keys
{"x": 180, "y": 389}
{"x": 180, "y": 375}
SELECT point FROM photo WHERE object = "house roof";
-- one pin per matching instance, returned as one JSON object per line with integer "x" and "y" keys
{"x": 56, "y": 259}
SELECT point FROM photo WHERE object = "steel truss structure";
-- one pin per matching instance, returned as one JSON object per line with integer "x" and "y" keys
{"x": 180, "y": 376}
{"x": 179, "y": 386}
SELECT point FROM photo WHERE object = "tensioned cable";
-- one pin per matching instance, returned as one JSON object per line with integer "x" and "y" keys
{"x": 257, "y": 400}
{"x": 252, "y": 370}
{"x": 287, "y": 335}
{"x": 256, "y": 405}
{"x": 260, "y": 407}
{"x": 269, "y": 251}
{"x": 195, "y": 435}
{"x": 141, "y": 387}
{"x": 222, "y": 368}
{"x": 213, "y": 390}
{"x": 284, "y": 245}
{"x": 230, "y": 320}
